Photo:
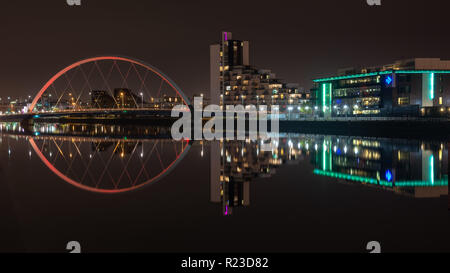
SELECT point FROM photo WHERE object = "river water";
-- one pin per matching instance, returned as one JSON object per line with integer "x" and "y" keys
{"x": 133, "y": 189}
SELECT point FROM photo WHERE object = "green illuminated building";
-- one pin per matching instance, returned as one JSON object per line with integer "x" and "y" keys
{"x": 415, "y": 87}
{"x": 410, "y": 169}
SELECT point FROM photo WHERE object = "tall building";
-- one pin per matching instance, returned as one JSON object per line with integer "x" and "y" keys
{"x": 235, "y": 164}
{"x": 413, "y": 87}
{"x": 234, "y": 81}
{"x": 223, "y": 56}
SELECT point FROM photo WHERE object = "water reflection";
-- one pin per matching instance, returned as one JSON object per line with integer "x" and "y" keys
{"x": 414, "y": 168}
{"x": 113, "y": 159}
{"x": 102, "y": 159}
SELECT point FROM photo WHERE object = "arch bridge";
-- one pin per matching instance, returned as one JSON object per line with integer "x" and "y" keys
{"x": 105, "y": 88}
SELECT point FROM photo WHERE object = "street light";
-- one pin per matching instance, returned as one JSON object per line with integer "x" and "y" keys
{"x": 142, "y": 99}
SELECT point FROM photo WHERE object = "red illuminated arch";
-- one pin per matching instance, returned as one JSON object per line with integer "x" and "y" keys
{"x": 186, "y": 147}
{"x": 114, "y": 58}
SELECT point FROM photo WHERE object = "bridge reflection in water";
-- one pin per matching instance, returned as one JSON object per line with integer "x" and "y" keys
{"x": 121, "y": 158}
{"x": 103, "y": 158}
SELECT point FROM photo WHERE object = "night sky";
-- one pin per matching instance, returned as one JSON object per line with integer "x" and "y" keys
{"x": 298, "y": 40}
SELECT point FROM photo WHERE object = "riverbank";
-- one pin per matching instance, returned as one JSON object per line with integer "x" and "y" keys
{"x": 401, "y": 128}
{"x": 418, "y": 128}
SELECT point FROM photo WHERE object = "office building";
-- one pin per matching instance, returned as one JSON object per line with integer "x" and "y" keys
{"x": 414, "y": 87}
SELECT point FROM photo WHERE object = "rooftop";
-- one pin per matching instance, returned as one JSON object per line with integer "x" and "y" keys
{"x": 410, "y": 66}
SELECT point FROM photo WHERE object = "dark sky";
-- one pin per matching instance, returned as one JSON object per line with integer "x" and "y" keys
{"x": 299, "y": 40}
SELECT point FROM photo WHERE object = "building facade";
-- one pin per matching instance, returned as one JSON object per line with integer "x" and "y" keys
{"x": 102, "y": 99}
{"x": 125, "y": 98}
{"x": 411, "y": 168}
{"x": 235, "y": 82}
{"x": 414, "y": 87}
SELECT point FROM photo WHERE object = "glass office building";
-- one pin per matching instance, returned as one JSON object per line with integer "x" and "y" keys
{"x": 415, "y": 87}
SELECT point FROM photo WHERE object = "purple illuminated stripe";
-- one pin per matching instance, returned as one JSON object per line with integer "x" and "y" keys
{"x": 226, "y": 210}
{"x": 226, "y": 36}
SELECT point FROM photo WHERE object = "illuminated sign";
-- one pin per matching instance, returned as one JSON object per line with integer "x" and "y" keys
{"x": 388, "y": 176}
{"x": 388, "y": 80}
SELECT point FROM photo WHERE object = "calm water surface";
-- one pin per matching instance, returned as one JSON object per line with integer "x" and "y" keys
{"x": 133, "y": 189}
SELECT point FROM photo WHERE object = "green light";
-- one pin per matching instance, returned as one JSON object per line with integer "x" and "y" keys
{"x": 327, "y": 97}
{"x": 324, "y": 156}
{"x": 422, "y": 71}
{"x": 326, "y": 159}
{"x": 347, "y": 177}
{"x": 330, "y": 97}
{"x": 431, "y": 86}
{"x": 353, "y": 76}
{"x": 435, "y": 183}
{"x": 324, "y": 91}
{"x": 382, "y": 73}
{"x": 432, "y": 169}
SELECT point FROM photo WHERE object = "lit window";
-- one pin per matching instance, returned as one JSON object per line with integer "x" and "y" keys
{"x": 403, "y": 101}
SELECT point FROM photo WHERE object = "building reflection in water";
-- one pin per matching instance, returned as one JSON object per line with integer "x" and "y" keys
{"x": 409, "y": 167}
{"x": 414, "y": 168}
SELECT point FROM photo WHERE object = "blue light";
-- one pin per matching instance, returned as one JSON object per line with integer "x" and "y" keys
{"x": 389, "y": 176}
{"x": 388, "y": 80}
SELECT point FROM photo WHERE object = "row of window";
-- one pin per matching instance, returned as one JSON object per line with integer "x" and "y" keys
{"x": 356, "y": 91}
